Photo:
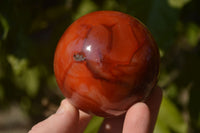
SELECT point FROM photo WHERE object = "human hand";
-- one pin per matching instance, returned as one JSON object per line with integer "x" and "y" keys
{"x": 140, "y": 118}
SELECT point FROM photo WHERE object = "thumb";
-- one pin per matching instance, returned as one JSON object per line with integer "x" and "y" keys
{"x": 64, "y": 120}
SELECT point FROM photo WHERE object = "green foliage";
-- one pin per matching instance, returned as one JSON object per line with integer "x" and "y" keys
{"x": 24, "y": 77}
{"x": 178, "y": 3}
{"x": 86, "y": 6}
{"x": 18, "y": 66}
{"x": 5, "y": 27}
{"x": 30, "y": 30}
{"x": 161, "y": 21}
{"x": 94, "y": 125}
{"x": 192, "y": 34}
{"x": 170, "y": 119}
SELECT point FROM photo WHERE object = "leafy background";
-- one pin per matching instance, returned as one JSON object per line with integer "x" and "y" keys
{"x": 30, "y": 30}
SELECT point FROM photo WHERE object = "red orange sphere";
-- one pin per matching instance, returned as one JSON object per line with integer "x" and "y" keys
{"x": 105, "y": 62}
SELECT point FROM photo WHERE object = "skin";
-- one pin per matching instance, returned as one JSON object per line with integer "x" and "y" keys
{"x": 140, "y": 118}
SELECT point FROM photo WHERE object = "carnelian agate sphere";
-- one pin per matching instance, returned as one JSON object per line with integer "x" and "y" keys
{"x": 105, "y": 62}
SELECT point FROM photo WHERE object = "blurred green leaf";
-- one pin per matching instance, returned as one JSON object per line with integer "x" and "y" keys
{"x": 110, "y": 5}
{"x": 162, "y": 53}
{"x": 32, "y": 80}
{"x": 17, "y": 65}
{"x": 193, "y": 34}
{"x": 5, "y": 26}
{"x": 86, "y": 6}
{"x": 178, "y": 3}
{"x": 170, "y": 119}
{"x": 172, "y": 90}
{"x": 166, "y": 77}
{"x": 161, "y": 21}
{"x": 25, "y": 78}
{"x": 94, "y": 125}
{"x": 161, "y": 127}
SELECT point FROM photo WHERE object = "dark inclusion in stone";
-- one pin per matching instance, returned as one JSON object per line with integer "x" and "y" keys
{"x": 79, "y": 57}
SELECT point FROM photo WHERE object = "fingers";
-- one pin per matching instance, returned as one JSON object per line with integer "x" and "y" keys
{"x": 84, "y": 119}
{"x": 112, "y": 125}
{"x": 65, "y": 120}
{"x": 153, "y": 102}
{"x": 141, "y": 117}
{"x": 137, "y": 119}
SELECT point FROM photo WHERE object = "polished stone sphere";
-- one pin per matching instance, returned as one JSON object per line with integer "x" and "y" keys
{"x": 105, "y": 62}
